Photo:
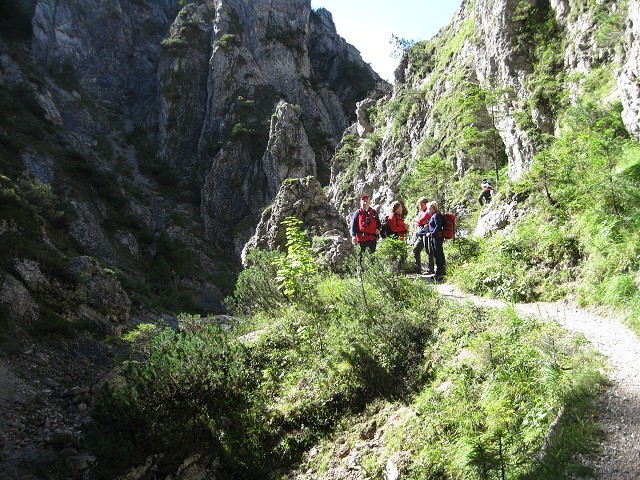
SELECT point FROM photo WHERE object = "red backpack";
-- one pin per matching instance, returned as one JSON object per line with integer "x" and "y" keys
{"x": 449, "y": 225}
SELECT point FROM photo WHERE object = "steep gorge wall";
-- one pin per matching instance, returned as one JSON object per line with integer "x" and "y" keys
{"x": 202, "y": 82}
{"x": 106, "y": 52}
{"x": 155, "y": 132}
{"x": 263, "y": 55}
{"x": 504, "y": 66}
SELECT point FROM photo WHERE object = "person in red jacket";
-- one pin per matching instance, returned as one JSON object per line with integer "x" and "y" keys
{"x": 365, "y": 226}
{"x": 422, "y": 227}
{"x": 396, "y": 221}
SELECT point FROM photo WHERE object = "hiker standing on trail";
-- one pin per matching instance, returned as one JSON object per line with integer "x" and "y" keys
{"x": 396, "y": 221}
{"x": 435, "y": 239}
{"x": 422, "y": 223}
{"x": 487, "y": 192}
{"x": 365, "y": 226}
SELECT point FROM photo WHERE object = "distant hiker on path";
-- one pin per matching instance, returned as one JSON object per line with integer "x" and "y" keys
{"x": 422, "y": 223}
{"x": 487, "y": 192}
{"x": 365, "y": 226}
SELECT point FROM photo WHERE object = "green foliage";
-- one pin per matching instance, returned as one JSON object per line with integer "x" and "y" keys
{"x": 276, "y": 389}
{"x": 173, "y": 43}
{"x": 537, "y": 259}
{"x": 499, "y": 381}
{"x": 255, "y": 289}
{"x": 297, "y": 269}
{"x": 610, "y": 23}
{"x": 190, "y": 396}
{"x": 429, "y": 177}
{"x": 240, "y": 130}
{"x": 257, "y": 397}
{"x": 226, "y": 41}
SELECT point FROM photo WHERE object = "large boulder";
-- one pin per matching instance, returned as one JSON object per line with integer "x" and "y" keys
{"x": 103, "y": 299}
{"x": 304, "y": 199}
{"x": 16, "y": 301}
{"x": 499, "y": 215}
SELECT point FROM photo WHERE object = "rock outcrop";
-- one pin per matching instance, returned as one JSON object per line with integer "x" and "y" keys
{"x": 304, "y": 199}
{"x": 498, "y": 215}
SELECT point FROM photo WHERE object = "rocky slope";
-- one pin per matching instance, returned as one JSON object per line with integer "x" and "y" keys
{"x": 487, "y": 91}
{"x": 139, "y": 142}
{"x": 156, "y": 131}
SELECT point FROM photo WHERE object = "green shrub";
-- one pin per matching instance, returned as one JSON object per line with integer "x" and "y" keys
{"x": 192, "y": 395}
{"x": 255, "y": 289}
{"x": 226, "y": 41}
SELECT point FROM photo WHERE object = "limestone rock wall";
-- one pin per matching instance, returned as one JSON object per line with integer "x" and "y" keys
{"x": 490, "y": 45}
{"x": 629, "y": 77}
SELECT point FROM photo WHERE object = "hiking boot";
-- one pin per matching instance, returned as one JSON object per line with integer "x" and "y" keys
{"x": 417, "y": 269}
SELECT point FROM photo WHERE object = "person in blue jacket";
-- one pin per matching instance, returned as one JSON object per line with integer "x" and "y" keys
{"x": 436, "y": 239}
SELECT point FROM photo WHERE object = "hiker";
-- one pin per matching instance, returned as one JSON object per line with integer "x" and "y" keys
{"x": 396, "y": 221}
{"x": 422, "y": 223}
{"x": 435, "y": 240}
{"x": 487, "y": 192}
{"x": 365, "y": 226}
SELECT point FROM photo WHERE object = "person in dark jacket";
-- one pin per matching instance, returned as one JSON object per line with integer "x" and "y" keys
{"x": 436, "y": 239}
{"x": 487, "y": 192}
{"x": 365, "y": 226}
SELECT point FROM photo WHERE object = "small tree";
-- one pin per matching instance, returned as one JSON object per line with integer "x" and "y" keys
{"x": 431, "y": 177}
{"x": 399, "y": 45}
{"x": 298, "y": 268}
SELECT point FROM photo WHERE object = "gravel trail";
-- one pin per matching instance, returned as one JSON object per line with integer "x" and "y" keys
{"x": 619, "y": 406}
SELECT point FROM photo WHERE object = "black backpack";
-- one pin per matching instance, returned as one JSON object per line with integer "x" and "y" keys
{"x": 385, "y": 229}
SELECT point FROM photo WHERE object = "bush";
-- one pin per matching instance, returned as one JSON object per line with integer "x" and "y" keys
{"x": 192, "y": 395}
{"x": 255, "y": 289}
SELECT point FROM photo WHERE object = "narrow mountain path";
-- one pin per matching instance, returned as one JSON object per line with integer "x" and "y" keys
{"x": 619, "y": 406}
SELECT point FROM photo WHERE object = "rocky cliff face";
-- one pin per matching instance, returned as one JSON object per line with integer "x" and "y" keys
{"x": 264, "y": 54}
{"x": 489, "y": 89}
{"x": 629, "y": 78}
{"x": 106, "y": 53}
{"x": 159, "y": 130}
{"x": 225, "y": 70}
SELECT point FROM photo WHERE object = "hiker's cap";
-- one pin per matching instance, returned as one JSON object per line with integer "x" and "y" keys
{"x": 364, "y": 196}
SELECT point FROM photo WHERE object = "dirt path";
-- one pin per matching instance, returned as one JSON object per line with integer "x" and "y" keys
{"x": 619, "y": 407}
